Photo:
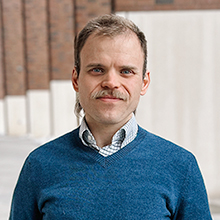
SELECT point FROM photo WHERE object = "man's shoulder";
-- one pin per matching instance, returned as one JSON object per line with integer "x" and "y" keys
{"x": 56, "y": 146}
{"x": 164, "y": 154}
{"x": 160, "y": 146}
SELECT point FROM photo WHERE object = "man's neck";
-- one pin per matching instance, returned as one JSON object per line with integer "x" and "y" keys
{"x": 103, "y": 133}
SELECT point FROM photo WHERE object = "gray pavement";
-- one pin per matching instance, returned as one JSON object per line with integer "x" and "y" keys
{"x": 13, "y": 151}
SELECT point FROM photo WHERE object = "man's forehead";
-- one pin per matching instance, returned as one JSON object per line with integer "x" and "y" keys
{"x": 95, "y": 40}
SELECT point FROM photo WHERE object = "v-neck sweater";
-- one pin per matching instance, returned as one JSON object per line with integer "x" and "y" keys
{"x": 151, "y": 178}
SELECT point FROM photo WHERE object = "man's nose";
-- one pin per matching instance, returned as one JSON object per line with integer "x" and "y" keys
{"x": 111, "y": 80}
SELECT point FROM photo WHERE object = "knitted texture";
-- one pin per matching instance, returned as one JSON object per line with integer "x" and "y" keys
{"x": 150, "y": 178}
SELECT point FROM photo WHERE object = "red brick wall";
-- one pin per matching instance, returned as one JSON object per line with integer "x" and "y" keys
{"x": 146, "y": 5}
{"x": 62, "y": 30}
{"x": 88, "y": 9}
{"x": 2, "y": 78}
{"x": 15, "y": 79}
{"x": 37, "y": 60}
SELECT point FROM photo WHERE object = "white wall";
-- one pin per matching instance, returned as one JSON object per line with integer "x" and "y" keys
{"x": 15, "y": 115}
{"x": 63, "y": 102}
{"x": 2, "y": 118}
{"x": 41, "y": 114}
{"x": 183, "y": 101}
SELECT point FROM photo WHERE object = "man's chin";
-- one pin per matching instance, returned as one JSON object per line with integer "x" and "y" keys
{"x": 113, "y": 119}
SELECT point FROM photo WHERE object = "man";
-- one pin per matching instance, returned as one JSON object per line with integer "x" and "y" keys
{"x": 109, "y": 167}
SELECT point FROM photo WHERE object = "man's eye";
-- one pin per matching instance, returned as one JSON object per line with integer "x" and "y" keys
{"x": 126, "y": 71}
{"x": 97, "y": 70}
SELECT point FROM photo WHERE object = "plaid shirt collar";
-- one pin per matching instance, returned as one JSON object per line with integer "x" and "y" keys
{"x": 121, "y": 138}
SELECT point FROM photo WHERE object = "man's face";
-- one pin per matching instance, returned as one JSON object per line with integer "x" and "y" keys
{"x": 110, "y": 81}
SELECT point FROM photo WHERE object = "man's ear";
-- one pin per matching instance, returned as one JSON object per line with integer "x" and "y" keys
{"x": 146, "y": 83}
{"x": 75, "y": 80}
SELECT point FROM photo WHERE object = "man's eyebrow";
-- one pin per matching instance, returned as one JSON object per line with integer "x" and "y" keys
{"x": 92, "y": 65}
{"x": 129, "y": 67}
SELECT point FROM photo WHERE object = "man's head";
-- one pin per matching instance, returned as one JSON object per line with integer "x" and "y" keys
{"x": 110, "y": 61}
{"x": 108, "y": 25}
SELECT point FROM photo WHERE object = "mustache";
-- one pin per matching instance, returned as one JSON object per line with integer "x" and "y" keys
{"x": 113, "y": 93}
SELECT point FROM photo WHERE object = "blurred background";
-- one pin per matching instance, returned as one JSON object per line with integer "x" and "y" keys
{"x": 36, "y": 61}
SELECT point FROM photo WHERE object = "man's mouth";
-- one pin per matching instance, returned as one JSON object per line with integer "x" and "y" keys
{"x": 108, "y": 97}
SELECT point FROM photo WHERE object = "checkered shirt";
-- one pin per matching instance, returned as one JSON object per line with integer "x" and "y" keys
{"x": 121, "y": 138}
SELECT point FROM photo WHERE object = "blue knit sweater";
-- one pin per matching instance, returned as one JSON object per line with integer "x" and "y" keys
{"x": 150, "y": 178}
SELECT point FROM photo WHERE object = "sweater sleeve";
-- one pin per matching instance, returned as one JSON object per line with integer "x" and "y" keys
{"x": 24, "y": 201}
{"x": 193, "y": 202}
